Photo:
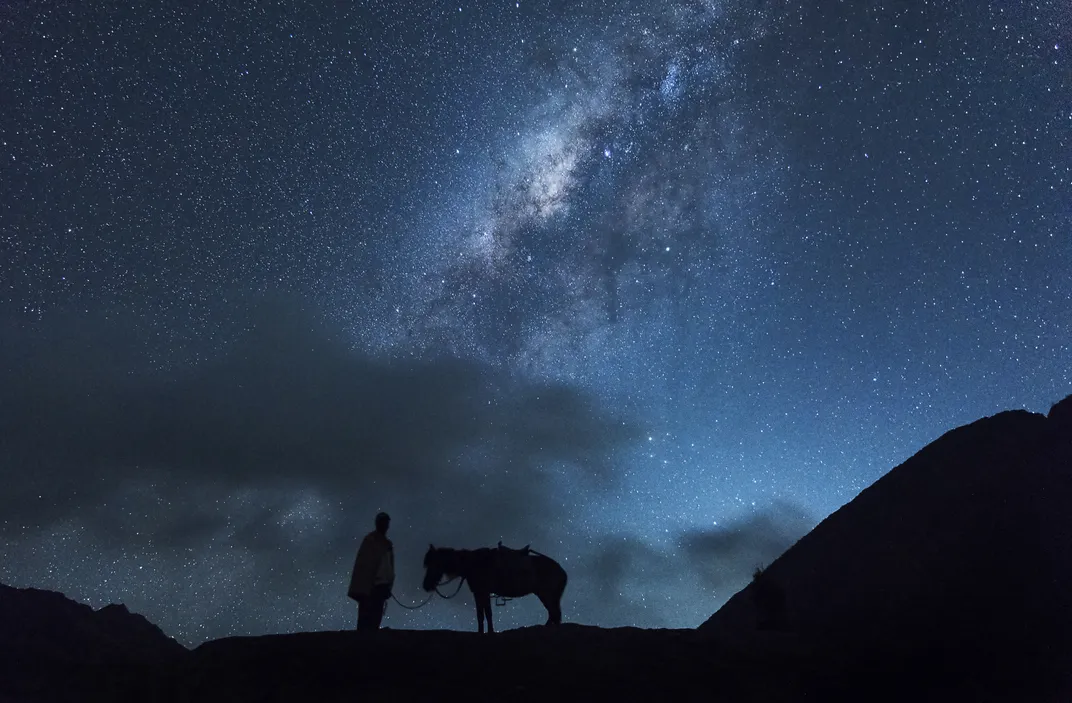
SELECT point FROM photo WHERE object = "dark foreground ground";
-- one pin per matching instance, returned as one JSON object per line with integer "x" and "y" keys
{"x": 573, "y": 663}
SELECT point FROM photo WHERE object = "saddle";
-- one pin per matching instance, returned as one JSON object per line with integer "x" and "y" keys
{"x": 515, "y": 566}
{"x": 523, "y": 552}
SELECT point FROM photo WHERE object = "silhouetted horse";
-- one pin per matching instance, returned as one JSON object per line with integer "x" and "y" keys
{"x": 505, "y": 572}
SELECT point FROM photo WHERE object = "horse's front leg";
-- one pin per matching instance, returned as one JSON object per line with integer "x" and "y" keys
{"x": 479, "y": 613}
{"x": 486, "y": 603}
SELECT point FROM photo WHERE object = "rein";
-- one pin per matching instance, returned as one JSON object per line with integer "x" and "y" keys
{"x": 460, "y": 582}
{"x": 429, "y": 598}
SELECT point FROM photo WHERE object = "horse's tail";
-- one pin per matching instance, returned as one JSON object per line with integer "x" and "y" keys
{"x": 563, "y": 578}
{"x": 559, "y": 578}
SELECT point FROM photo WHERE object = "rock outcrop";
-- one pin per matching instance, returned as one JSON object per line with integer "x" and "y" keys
{"x": 55, "y": 649}
{"x": 54, "y": 626}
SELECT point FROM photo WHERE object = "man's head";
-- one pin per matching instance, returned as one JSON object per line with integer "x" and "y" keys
{"x": 383, "y": 521}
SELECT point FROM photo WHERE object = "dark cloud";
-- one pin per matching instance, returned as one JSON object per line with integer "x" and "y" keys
{"x": 291, "y": 405}
{"x": 277, "y": 454}
{"x": 621, "y": 560}
{"x": 628, "y": 571}
{"x": 630, "y": 575}
{"x": 725, "y": 555}
{"x": 269, "y": 462}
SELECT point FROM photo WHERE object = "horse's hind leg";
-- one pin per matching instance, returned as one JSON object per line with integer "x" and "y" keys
{"x": 554, "y": 615}
{"x": 553, "y": 603}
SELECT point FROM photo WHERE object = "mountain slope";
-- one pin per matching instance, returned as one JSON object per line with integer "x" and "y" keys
{"x": 53, "y": 648}
{"x": 52, "y": 625}
{"x": 963, "y": 554}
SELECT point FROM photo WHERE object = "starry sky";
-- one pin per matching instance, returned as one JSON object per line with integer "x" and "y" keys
{"x": 653, "y": 287}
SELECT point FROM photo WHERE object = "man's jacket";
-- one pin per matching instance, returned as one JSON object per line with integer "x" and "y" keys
{"x": 374, "y": 565}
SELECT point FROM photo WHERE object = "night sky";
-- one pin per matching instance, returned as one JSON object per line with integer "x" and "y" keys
{"x": 653, "y": 286}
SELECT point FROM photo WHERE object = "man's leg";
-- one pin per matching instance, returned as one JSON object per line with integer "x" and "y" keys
{"x": 364, "y": 610}
{"x": 376, "y": 615}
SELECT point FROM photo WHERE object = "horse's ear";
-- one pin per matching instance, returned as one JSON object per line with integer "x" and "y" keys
{"x": 431, "y": 547}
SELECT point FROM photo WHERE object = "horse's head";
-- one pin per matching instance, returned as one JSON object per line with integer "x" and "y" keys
{"x": 437, "y": 564}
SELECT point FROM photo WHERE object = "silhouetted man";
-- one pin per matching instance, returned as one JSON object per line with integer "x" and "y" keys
{"x": 374, "y": 575}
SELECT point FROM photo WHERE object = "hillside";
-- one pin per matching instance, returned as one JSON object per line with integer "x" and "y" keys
{"x": 49, "y": 624}
{"x": 962, "y": 554}
{"x": 53, "y": 648}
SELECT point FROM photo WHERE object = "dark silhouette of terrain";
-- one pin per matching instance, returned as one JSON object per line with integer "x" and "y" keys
{"x": 52, "y": 648}
{"x": 959, "y": 559}
{"x": 948, "y": 579}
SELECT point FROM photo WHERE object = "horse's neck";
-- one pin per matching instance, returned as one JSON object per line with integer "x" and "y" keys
{"x": 474, "y": 560}
{"x": 465, "y": 561}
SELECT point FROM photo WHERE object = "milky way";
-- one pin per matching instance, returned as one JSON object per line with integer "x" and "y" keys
{"x": 613, "y": 186}
{"x": 654, "y": 287}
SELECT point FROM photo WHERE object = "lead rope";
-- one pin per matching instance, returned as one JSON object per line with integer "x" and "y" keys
{"x": 429, "y": 598}
{"x": 410, "y": 607}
